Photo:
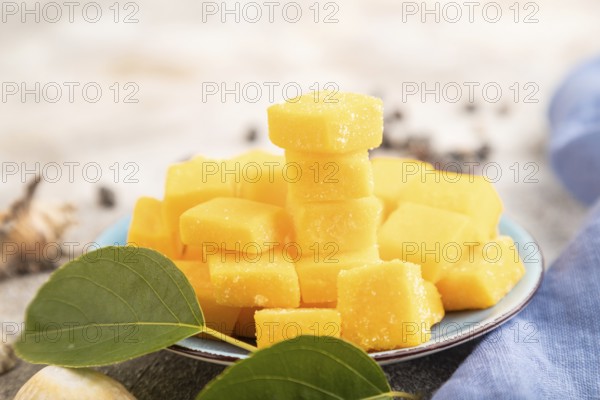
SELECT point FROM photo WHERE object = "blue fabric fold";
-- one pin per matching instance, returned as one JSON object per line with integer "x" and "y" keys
{"x": 575, "y": 132}
{"x": 552, "y": 349}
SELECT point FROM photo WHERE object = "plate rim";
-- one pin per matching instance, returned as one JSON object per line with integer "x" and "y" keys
{"x": 381, "y": 357}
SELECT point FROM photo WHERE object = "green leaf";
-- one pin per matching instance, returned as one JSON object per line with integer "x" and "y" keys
{"x": 108, "y": 306}
{"x": 306, "y": 367}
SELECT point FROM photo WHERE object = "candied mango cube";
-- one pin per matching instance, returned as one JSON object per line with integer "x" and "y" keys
{"x": 265, "y": 280}
{"x": 191, "y": 253}
{"x": 148, "y": 229}
{"x": 327, "y": 122}
{"x": 392, "y": 175}
{"x": 234, "y": 224}
{"x": 319, "y": 305}
{"x": 495, "y": 270}
{"x": 191, "y": 183}
{"x": 260, "y": 177}
{"x": 384, "y": 306}
{"x": 276, "y": 325}
{"x": 328, "y": 177}
{"x": 318, "y": 277}
{"x": 338, "y": 226}
{"x": 216, "y": 316}
{"x": 471, "y": 195}
{"x": 431, "y": 237}
{"x": 435, "y": 303}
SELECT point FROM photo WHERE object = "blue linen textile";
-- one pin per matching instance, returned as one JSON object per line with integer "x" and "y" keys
{"x": 552, "y": 349}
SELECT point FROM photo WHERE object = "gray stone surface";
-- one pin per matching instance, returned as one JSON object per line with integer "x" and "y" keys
{"x": 165, "y": 375}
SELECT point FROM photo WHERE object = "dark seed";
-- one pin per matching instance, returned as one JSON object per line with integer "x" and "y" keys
{"x": 470, "y": 108}
{"x": 483, "y": 152}
{"x": 106, "y": 197}
{"x": 394, "y": 117}
{"x": 251, "y": 135}
{"x": 457, "y": 155}
{"x": 386, "y": 143}
{"x": 419, "y": 147}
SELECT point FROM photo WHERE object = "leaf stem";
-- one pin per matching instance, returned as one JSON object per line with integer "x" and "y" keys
{"x": 393, "y": 395}
{"x": 227, "y": 339}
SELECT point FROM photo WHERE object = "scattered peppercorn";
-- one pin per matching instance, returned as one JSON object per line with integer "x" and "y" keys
{"x": 251, "y": 135}
{"x": 106, "y": 197}
{"x": 386, "y": 143}
{"x": 484, "y": 152}
{"x": 470, "y": 108}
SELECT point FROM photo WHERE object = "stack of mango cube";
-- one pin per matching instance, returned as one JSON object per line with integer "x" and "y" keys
{"x": 324, "y": 241}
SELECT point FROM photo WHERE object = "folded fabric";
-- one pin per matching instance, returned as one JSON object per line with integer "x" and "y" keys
{"x": 552, "y": 349}
{"x": 575, "y": 125}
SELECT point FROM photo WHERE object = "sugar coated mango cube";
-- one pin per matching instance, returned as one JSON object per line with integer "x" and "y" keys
{"x": 327, "y": 122}
{"x": 328, "y": 177}
{"x": 276, "y": 325}
{"x": 216, "y": 316}
{"x": 435, "y": 303}
{"x": 471, "y": 195}
{"x": 191, "y": 183}
{"x": 148, "y": 229}
{"x": 495, "y": 270}
{"x": 384, "y": 306}
{"x": 336, "y": 227}
{"x": 319, "y": 305}
{"x": 393, "y": 175}
{"x": 318, "y": 277}
{"x": 431, "y": 237}
{"x": 260, "y": 177}
{"x": 234, "y": 224}
{"x": 267, "y": 280}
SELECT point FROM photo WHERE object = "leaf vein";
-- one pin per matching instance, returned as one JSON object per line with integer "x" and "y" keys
{"x": 147, "y": 283}
{"x": 178, "y": 287}
{"x": 105, "y": 288}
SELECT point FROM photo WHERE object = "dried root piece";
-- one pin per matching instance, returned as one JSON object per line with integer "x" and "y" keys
{"x": 26, "y": 229}
{"x": 72, "y": 384}
{"x": 8, "y": 359}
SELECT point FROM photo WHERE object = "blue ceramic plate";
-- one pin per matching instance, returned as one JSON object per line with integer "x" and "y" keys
{"x": 454, "y": 329}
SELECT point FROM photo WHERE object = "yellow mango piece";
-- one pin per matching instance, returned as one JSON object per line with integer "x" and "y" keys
{"x": 431, "y": 237}
{"x": 191, "y": 183}
{"x": 319, "y": 305}
{"x": 336, "y": 227}
{"x": 191, "y": 253}
{"x": 148, "y": 229}
{"x": 327, "y": 122}
{"x": 318, "y": 277}
{"x": 267, "y": 280}
{"x": 435, "y": 303}
{"x": 496, "y": 268}
{"x": 471, "y": 195}
{"x": 384, "y": 306}
{"x": 245, "y": 326}
{"x": 261, "y": 177}
{"x": 328, "y": 177}
{"x": 234, "y": 224}
{"x": 392, "y": 175}
{"x": 216, "y": 316}
{"x": 276, "y": 325}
